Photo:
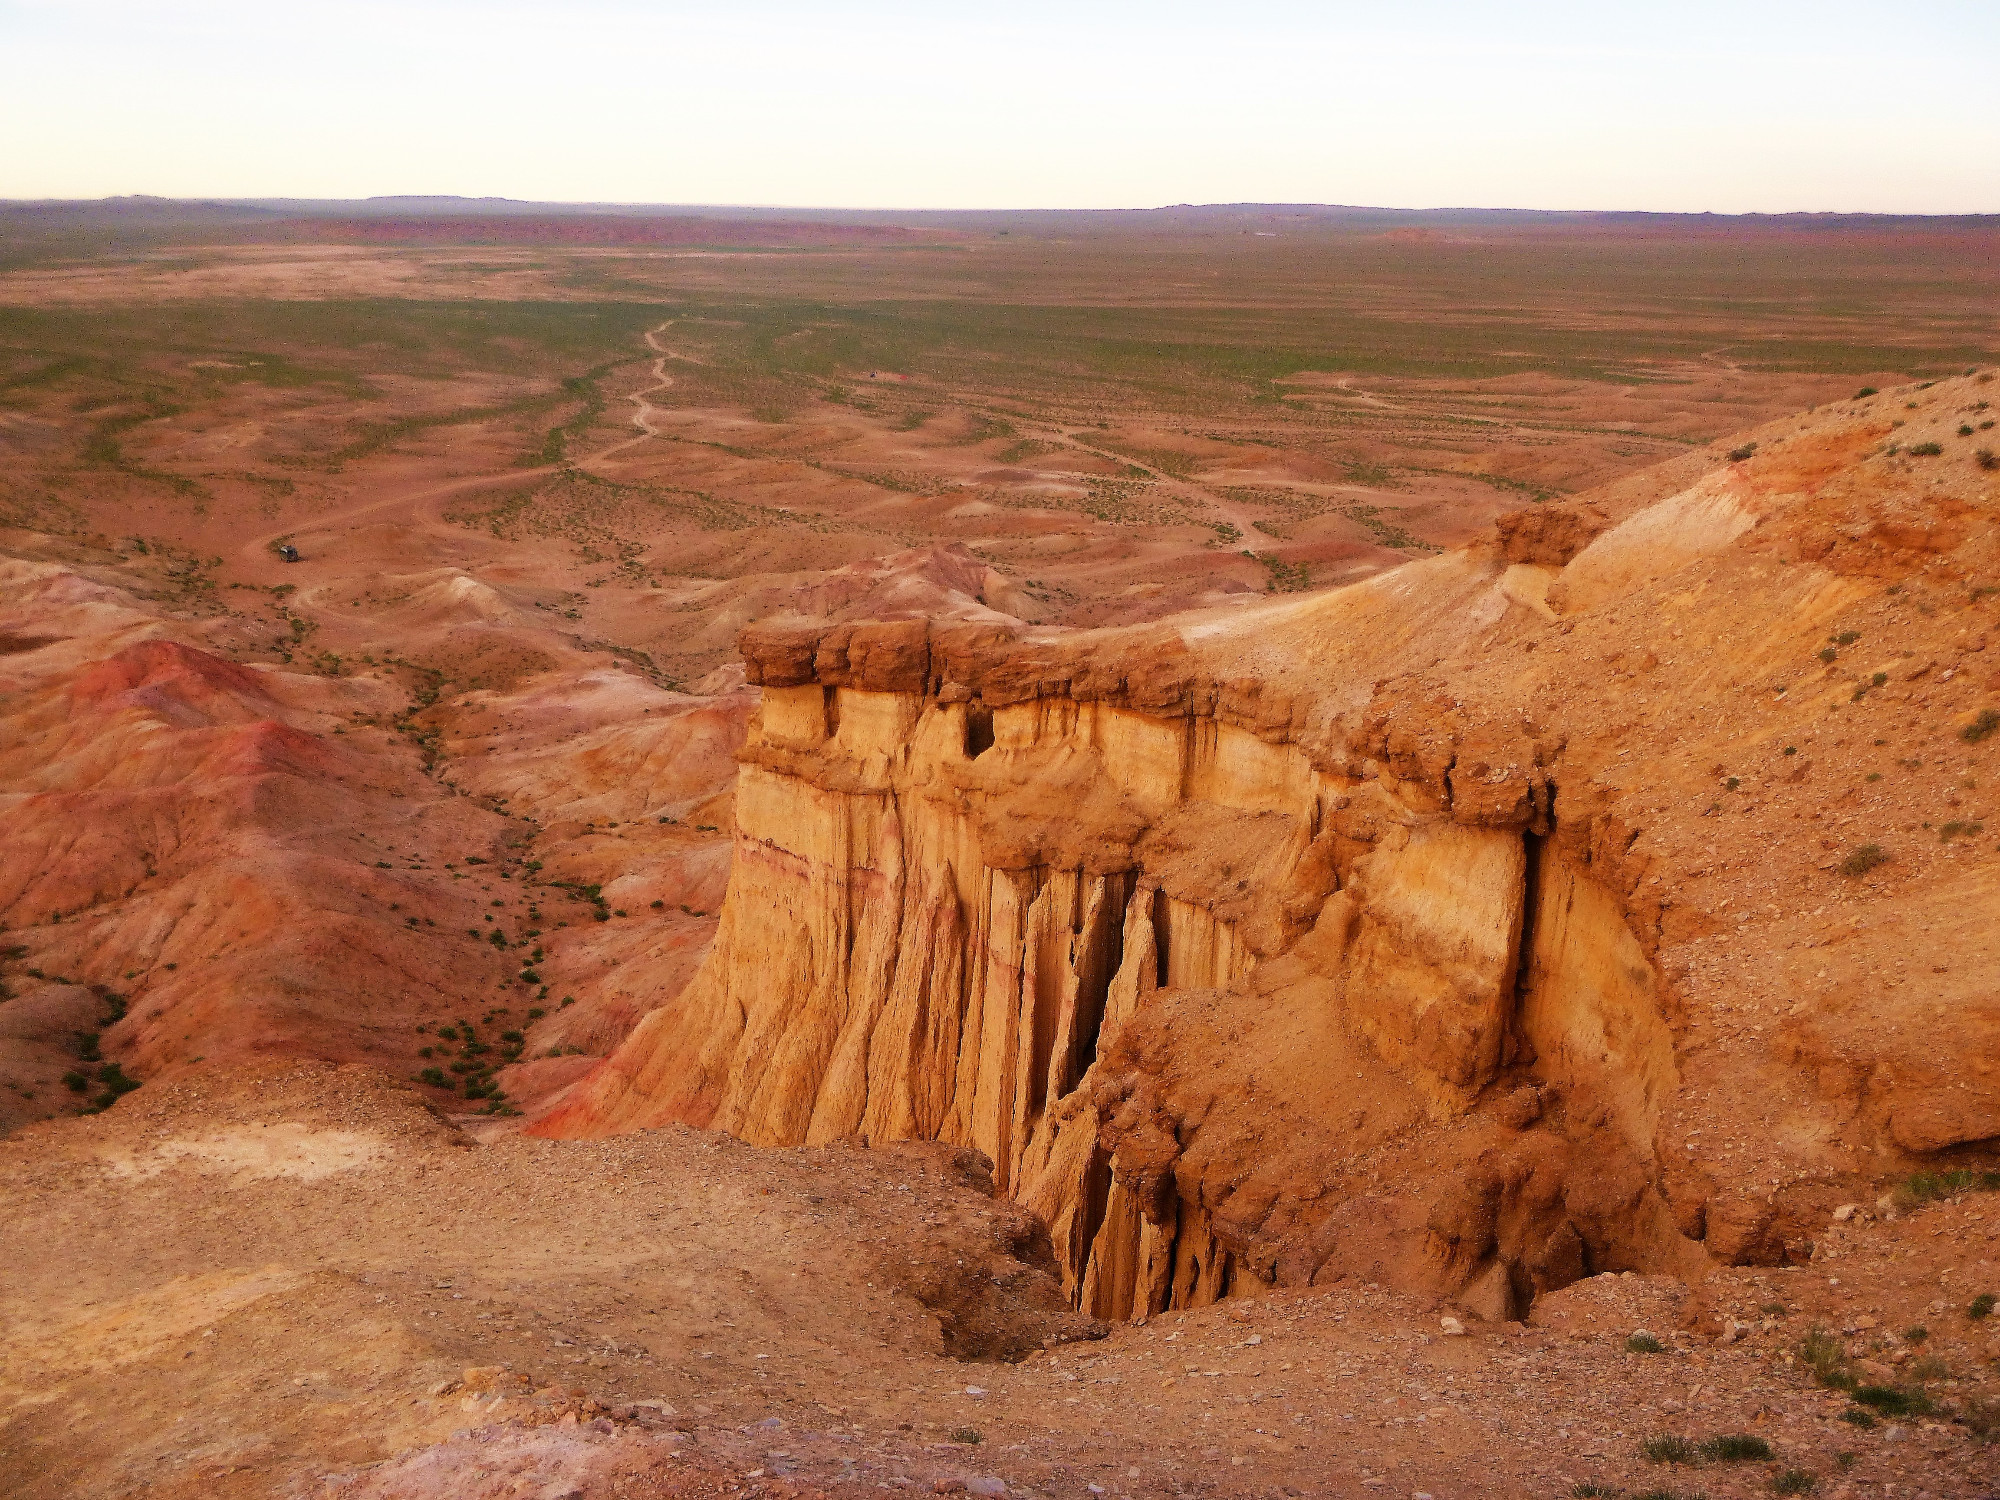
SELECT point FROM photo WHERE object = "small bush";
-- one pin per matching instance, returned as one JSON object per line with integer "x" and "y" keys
{"x": 75, "y": 1082}
{"x": 1981, "y": 727}
{"x": 1738, "y": 455}
{"x": 1829, "y": 655}
{"x": 1735, "y": 1448}
{"x": 1668, "y": 1448}
{"x": 433, "y": 1076}
{"x": 1981, "y": 1308}
{"x": 1965, "y": 429}
{"x": 1916, "y": 1334}
{"x": 966, "y": 1435}
{"x": 1893, "y": 1400}
{"x": 1822, "y": 1354}
{"x": 1793, "y": 1482}
{"x": 1644, "y": 1343}
{"x": 1981, "y": 1415}
{"x": 1859, "y": 1416}
{"x": 1591, "y": 1490}
{"x": 1987, "y": 459}
{"x": 1862, "y": 860}
{"x": 1846, "y": 638}
{"x": 1926, "y": 450}
{"x": 1844, "y": 1460}
{"x": 1866, "y": 390}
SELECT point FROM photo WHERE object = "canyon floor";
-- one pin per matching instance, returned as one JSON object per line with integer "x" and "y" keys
{"x": 321, "y": 880}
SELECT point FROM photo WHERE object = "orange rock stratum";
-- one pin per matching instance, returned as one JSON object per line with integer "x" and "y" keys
{"x": 1613, "y": 894}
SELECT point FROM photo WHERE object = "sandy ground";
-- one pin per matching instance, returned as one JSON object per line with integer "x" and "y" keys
{"x": 298, "y": 1281}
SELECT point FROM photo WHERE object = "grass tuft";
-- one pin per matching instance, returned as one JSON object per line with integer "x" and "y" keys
{"x": 1668, "y": 1448}
{"x": 1893, "y": 1400}
{"x": 1735, "y": 1448}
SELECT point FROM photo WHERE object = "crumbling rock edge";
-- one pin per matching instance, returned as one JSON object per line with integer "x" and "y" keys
{"x": 1278, "y": 947}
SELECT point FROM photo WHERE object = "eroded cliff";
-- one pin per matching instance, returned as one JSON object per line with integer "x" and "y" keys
{"x": 1386, "y": 932}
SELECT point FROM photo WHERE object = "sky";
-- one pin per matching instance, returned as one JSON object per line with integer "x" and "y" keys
{"x": 1757, "y": 105}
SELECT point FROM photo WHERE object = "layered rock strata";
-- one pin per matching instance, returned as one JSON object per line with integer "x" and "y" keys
{"x": 1326, "y": 938}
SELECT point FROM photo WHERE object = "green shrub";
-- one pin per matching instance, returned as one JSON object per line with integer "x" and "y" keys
{"x": 1590, "y": 1490}
{"x": 1981, "y": 727}
{"x": 966, "y": 1435}
{"x": 1893, "y": 1400}
{"x": 75, "y": 1082}
{"x": 1668, "y": 1448}
{"x": 1862, "y": 860}
{"x": 1916, "y": 1335}
{"x": 1926, "y": 450}
{"x": 1738, "y": 455}
{"x": 1866, "y": 390}
{"x": 1859, "y": 1416}
{"x": 1793, "y": 1482}
{"x": 433, "y": 1076}
{"x": 1644, "y": 1343}
{"x": 1987, "y": 459}
{"x": 1735, "y": 1448}
{"x": 1981, "y": 1308}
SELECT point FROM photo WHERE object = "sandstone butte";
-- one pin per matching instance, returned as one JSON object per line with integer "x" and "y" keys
{"x": 1607, "y": 895}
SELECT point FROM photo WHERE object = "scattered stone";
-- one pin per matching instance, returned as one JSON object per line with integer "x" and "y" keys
{"x": 1453, "y": 1329}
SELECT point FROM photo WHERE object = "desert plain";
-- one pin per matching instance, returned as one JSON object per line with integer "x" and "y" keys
{"x": 1232, "y": 852}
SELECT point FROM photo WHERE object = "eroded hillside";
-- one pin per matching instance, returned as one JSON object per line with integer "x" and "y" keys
{"x": 1613, "y": 895}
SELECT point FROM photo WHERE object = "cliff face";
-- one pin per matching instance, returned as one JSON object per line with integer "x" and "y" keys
{"x": 1341, "y": 936}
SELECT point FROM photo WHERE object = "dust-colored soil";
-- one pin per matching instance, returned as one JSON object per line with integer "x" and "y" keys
{"x": 296, "y": 1281}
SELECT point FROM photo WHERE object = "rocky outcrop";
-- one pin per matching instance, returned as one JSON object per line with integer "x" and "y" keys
{"x": 948, "y": 914}
{"x": 1430, "y": 930}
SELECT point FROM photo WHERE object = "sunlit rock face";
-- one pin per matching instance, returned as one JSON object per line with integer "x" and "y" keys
{"x": 1382, "y": 932}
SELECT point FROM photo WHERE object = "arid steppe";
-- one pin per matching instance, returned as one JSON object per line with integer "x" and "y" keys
{"x": 1225, "y": 852}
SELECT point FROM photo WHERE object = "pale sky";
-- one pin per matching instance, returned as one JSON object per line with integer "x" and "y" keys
{"x": 1771, "y": 105}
